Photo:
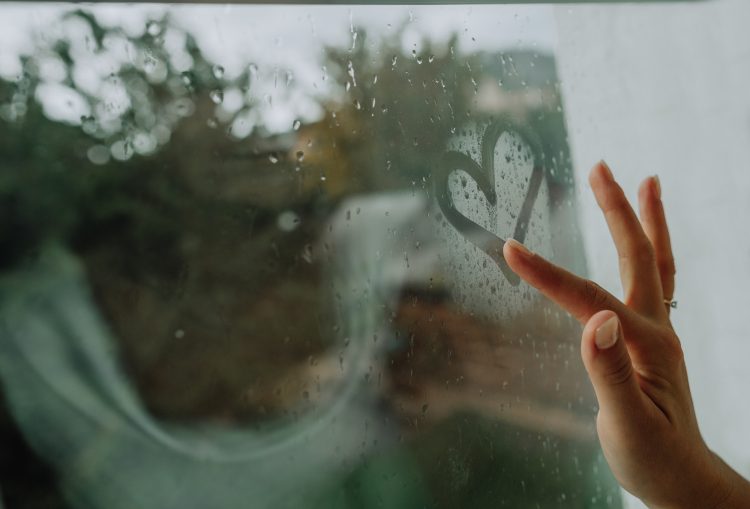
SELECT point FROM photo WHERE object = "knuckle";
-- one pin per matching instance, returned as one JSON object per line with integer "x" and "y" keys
{"x": 595, "y": 294}
{"x": 620, "y": 372}
{"x": 673, "y": 348}
{"x": 666, "y": 266}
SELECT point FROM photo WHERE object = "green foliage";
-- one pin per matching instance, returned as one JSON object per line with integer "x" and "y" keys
{"x": 50, "y": 190}
{"x": 135, "y": 168}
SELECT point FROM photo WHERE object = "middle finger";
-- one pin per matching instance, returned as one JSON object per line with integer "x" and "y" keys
{"x": 638, "y": 271}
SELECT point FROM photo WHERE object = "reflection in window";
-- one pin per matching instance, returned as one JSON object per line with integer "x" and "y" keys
{"x": 270, "y": 274}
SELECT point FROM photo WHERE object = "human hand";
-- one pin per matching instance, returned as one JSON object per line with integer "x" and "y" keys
{"x": 646, "y": 421}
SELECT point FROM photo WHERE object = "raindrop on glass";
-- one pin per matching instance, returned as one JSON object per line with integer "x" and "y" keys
{"x": 149, "y": 64}
{"x": 217, "y": 96}
{"x": 153, "y": 28}
{"x": 288, "y": 221}
{"x": 350, "y": 72}
{"x": 218, "y": 72}
{"x": 88, "y": 124}
{"x": 307, "y": 253}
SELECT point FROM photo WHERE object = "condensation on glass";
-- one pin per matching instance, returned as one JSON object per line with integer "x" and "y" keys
{"x": 251, "y": 257}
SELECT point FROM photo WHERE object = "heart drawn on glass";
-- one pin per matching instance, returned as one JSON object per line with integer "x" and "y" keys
{"x": 484, "y": 177}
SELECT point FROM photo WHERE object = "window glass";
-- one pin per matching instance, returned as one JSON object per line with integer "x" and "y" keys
{"x": 251, "y": 254}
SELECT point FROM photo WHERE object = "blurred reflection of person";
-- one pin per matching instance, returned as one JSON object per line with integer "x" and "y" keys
{"x": 646, "y": 422}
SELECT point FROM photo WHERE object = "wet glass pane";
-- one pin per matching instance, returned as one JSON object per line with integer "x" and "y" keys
{"x": 251, "y": 257}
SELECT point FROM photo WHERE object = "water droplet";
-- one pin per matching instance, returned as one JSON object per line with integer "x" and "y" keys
{"x": 296, "y": 125}
{"x": 149, "y": 64}
{"x": 307, "y": 253}
{"x": 153, "y": 28}
{"x": 357, "y": 104}
{"x": 300, "y": 156}
{"x": 217, "y": 96}
{"x": 88, "y": 124}
{"x": 288, "y": 220}
{"x": 212, "y": 123}
{"x": 253, "y": 70}
{"x": 273, "y": 157}
{"x": 350, "y": 72}
{"x": 431, "y": 59}
{"x": 218, "y": 72}
{"x": 179, "y": 333}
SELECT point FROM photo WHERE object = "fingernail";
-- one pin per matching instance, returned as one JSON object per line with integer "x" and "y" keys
{"x": 519, "y": 247}
{"x": 607, "y": 170}
{"x": 657, "y": 186}
{"x": 607, "y": 334}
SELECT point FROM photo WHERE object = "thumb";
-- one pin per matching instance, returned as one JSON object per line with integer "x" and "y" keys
{"x": 608, "y": 363}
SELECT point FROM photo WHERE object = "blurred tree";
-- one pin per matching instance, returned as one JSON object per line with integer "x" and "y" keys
{"x": 397, "y": 109}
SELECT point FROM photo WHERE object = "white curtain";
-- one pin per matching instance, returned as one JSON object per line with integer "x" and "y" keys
{"x": 666, "y": 89}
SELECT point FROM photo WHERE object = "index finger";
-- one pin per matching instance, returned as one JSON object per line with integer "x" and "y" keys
{"x": 581, "y": 297}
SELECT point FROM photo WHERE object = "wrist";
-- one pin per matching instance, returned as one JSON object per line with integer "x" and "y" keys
{"x": 714, "y": 486}
{"x": 708, "y": 483}
{"x": 723, "y": 486}
{"x": 735, "y": 490}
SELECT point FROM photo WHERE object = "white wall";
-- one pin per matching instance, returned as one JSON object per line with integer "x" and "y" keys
{"x": 666, "y": 89}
